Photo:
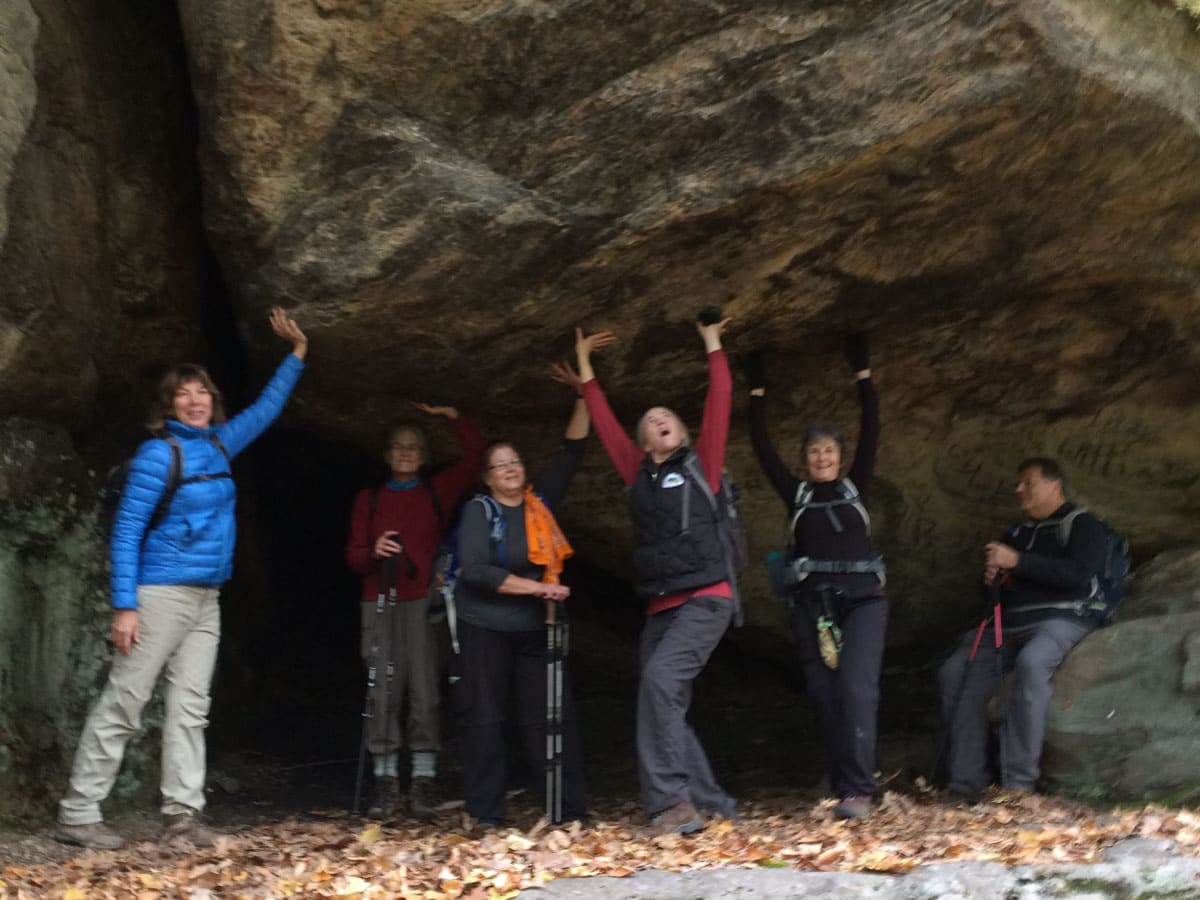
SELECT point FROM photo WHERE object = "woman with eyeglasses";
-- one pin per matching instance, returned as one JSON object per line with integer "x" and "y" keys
{"x": 511, "y": 552}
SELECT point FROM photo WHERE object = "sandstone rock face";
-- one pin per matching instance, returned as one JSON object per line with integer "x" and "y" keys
{"x": 100, "y": 287}
{"x": 1123, "y": 722}
{"x": 99, "y": 260}
{"x": 1003, "y": 191}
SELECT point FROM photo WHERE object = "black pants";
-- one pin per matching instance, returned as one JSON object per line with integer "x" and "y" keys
{"x": 495, "y": 666}
{"x": 847, "y": 697}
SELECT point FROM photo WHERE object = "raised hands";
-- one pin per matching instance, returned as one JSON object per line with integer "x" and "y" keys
{"x": 585, "y": 344}
{"x": 564, "y": 374}
{"x": 446, "y": 412}
{"x": 711, "y": 334}
{"x": 285, "y": 326}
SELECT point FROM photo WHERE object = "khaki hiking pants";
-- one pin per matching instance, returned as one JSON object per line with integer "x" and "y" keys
{"x": 404, "y": 641}
{"x": 180, "y": 630}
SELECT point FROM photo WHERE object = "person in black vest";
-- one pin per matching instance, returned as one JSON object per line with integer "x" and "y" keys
{"x": 1046, "y": 570}
{"x": 682, "y": 571}
{"x": 835, "y": 579}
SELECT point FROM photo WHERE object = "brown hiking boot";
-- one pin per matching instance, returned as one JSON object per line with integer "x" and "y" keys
{"x": 387, "y": 797}
{"x": 188, "y": 826}
{"x": 422, "y": 799}
{"x": 96, "y": 836}
{"x": 682, "y": 818}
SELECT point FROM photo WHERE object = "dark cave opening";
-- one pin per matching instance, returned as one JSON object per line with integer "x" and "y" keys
{"x": 289, "y": 693}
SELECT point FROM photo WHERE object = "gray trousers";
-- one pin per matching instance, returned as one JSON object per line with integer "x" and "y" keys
{"x": 180, "y": 628}
{"x": 672, "y": 766}
{"x": 405, "y": 671}
{"x": 1032, "y": 653}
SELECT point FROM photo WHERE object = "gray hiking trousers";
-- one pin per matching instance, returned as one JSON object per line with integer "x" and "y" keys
{"x": 1032, "y": 653}
{"x": 672, "y": 766}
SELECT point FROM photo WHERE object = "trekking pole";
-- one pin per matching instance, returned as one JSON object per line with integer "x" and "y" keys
{"x": 998, "y": 635}
{"x": 952, "y": 718}
{"x": 372, "y": 672}
{"x": 555, "y": 641}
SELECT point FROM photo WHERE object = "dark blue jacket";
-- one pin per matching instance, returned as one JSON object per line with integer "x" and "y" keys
{"x": 1049, "y": 571}
{"x": 193, "y": 544}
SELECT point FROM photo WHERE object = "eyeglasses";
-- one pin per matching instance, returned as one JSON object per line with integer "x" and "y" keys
{"x": 508, "y": 463}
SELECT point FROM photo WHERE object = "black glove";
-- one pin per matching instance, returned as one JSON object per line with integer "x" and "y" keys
{"x": 858, "y": 351}
{"x": 754, "y": 364}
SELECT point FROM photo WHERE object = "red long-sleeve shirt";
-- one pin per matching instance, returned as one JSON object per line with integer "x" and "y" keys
{"x": 710, "y": 448}
{"x": 410, "y": 512}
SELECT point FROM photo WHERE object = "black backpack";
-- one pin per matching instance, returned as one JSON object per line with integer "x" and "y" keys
{"x": 1108, "y": 585}
{"x": 729, "y": 522}
{"x": 175, "y": 480}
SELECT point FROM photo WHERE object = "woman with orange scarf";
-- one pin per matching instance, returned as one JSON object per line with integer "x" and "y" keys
{"x": 511, "y": 552}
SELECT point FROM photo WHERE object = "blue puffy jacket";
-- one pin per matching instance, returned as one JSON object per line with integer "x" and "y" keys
{"x": 193, "y": 544}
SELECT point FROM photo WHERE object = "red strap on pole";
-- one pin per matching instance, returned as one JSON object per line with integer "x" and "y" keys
{"x": 978, "y": 638}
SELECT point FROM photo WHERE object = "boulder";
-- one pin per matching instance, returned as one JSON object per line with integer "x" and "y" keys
{"x": 1123, "y": 722}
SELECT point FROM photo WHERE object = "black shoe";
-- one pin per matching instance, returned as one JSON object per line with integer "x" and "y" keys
{"x": 961, "y": 794}
{"x": 422, "y": 800}
{"x": 387, "y": 797}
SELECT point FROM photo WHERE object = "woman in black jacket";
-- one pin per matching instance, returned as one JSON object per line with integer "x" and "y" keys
{"x": 838, "y": 606}
{"x": 501, "y": 599}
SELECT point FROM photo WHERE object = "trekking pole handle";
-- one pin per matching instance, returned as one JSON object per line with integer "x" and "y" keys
{"x": 550, "y": 611}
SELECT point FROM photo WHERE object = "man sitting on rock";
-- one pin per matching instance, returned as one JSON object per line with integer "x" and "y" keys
{"x": 1045, "y": 570}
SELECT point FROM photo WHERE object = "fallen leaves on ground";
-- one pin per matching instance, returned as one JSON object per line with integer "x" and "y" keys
{"x": 332, "y": 855}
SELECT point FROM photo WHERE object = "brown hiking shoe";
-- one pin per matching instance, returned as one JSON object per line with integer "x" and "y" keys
{"x": 96, "y": 836}
{"x": 682, "y": 818}
{"x": 387, "y": 797}
{"x": 422, "y": 799}
{"x": 188, "y": 826}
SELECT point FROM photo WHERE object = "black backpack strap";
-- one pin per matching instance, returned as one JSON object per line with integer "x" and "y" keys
{"x": 437, "y": 504}
{"x": 174, "y": 471}
{"x": 175, "y": 477}
{"x": 497, "y": 532}
{"x": 848, "y": 495}
{"x": 691, "y": 464}
{"x": 216, "y": 442}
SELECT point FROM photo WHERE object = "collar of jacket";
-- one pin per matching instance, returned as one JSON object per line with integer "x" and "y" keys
{"x": 1059, "y": 513}
{"x": 179, "y": 429}
{"x": 652, "y": 467}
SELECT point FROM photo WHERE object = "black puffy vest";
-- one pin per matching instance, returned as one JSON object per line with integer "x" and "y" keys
{"x": 667, "y": 556}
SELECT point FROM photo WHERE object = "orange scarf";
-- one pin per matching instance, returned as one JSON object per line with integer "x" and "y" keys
{"x": 547, "y": 544}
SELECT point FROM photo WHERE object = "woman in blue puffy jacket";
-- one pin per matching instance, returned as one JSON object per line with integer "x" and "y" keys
{"x": 171, "y": 552}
